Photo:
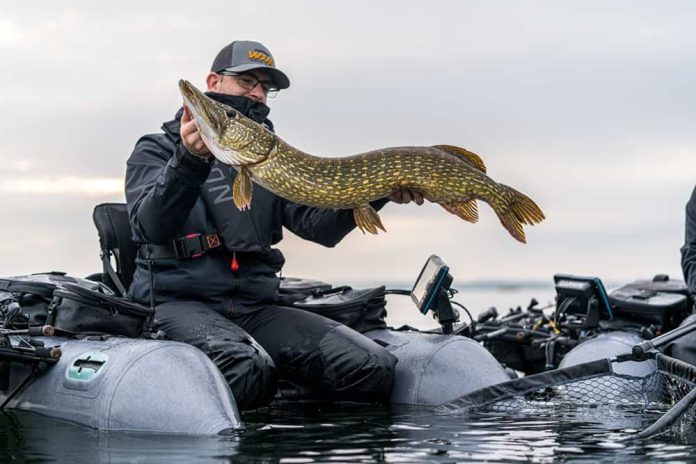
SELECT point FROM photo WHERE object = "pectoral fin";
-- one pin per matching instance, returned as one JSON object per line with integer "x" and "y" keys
{"x": 472, "y": 158}
{"x": 467, "y": 210}
{"x": 242, "y": 189}
{"x": 367, "y": 219}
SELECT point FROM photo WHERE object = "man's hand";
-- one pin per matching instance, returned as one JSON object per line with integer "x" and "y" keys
{"x": 190, "y": 136}
{"x": 407, "y": 196}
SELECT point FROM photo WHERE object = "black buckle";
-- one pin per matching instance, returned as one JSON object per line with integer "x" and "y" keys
{"x": 195, "y": 245}
{"x": 189, "y": 246}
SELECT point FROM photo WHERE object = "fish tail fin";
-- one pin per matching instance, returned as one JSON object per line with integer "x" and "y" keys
{"x": 519, "y": 210}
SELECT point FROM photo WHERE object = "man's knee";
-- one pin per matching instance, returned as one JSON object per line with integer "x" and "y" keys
{"x": 378, "y": 370}
{"x": 357, "y": 369}
{"x": 248, "y": 369}
{"x": 246, "y": 366}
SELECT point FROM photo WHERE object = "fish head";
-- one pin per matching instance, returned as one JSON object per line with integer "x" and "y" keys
{"x": 224, "y": 130}
{"x": 211, "y": 117}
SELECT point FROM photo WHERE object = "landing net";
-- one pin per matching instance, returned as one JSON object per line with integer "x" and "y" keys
{"x": 666, "y": 386}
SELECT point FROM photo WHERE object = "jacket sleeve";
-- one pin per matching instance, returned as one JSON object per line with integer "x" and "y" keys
{"x": 689, "y": 249}
{"x": 161, "y": 188}
{"x": 323, "y": 226}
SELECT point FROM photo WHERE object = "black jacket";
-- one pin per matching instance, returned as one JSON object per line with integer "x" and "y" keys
{"x": 163, "y": 192}
{"x": 689, "y": 249}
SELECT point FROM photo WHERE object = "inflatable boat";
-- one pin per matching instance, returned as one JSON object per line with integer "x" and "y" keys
{"x": 118, "y": 383}
{"x": 163, "y": 386}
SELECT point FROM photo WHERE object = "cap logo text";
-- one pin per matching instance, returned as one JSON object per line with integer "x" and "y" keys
{"x": 260, "y": 56}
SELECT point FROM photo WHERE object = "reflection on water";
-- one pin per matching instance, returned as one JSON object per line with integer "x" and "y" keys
{"x": 350, "y": 433}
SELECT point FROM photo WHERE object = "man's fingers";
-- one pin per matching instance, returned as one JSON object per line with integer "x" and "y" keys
{"x": 200, "y": 148}
{"x": 188, "y": 124}
{"x": 190, "y": 136}
{"x": 397, "y": 197}
{"x": 407, "y": 196}
{"x": 187, "y": 128}
{"x": 414, "y": 196}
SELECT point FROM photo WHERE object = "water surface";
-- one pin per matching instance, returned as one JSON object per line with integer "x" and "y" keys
{"x": 305, "y": 433}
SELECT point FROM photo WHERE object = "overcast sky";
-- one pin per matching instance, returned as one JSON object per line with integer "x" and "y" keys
{"x": 589, "y": 107}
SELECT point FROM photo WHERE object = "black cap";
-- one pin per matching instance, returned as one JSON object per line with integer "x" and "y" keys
{"x": 245, "y": 55}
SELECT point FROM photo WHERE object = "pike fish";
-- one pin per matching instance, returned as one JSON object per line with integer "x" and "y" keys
{"x": 448, "y": 175}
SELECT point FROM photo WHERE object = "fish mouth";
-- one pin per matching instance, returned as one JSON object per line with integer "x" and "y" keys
{"x": 187, "y": 90}
{"x": 190, "y": 93}
{"x": 211, "y": 120}
{"x": 195, "y": 101}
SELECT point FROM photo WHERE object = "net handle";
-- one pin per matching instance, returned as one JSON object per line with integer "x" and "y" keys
{"x": 670, "y": 416}
{"x": 639, "y": 351}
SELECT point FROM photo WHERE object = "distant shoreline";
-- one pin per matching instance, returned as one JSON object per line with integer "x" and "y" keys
{"x": 483, "y": 285}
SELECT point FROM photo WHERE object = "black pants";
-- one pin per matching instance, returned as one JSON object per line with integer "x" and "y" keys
{"x": 252, "y": 350}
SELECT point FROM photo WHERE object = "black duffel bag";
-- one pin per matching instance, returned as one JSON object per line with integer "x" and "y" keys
{"x": 75, "y": 309}
{"x": 34, "y": 293}
{"x": 359, "y": 309}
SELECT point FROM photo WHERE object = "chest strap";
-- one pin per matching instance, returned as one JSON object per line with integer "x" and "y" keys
{"x": 189, "y": 246}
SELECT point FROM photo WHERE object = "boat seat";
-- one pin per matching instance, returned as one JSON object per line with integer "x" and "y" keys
{"x": 113, "y": 227}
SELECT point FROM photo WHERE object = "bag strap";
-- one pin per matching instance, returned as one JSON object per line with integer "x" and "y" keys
{"x": 106, "y": 262}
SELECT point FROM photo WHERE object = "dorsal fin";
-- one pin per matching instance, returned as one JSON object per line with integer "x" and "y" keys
{"x": 470, "y": 157}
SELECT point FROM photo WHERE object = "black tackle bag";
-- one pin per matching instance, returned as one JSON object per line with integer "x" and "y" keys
{"x": 661, "y": 301}
{"x": 79, "y": 310}
{"x": 34, "y": 293}
{"x": 360, "y": 309}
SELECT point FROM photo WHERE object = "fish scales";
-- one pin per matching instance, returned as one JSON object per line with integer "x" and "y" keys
{"x": 352, "y": 181}
{"x": 451, "y": 176}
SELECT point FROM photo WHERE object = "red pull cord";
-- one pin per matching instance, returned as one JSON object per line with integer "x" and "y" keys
{"x": 234, "y": 265}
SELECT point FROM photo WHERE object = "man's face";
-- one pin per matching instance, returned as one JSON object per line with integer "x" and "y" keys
{"x": 240, "y": 85}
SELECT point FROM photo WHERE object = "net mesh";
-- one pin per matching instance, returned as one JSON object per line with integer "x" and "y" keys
{"x": 596, "y": 386}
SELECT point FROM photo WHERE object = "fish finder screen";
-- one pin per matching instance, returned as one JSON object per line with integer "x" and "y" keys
{"x": 423, "y": 288}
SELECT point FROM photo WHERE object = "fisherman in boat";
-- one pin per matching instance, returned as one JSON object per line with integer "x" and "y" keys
{"x": 211, "y": 269}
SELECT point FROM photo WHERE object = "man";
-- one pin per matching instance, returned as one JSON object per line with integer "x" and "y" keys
{"x": 211, "y": 269}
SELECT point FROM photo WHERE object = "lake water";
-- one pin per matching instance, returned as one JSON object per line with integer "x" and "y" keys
{"x": 349, "y": 433}
{"x": 299, "y": 433}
